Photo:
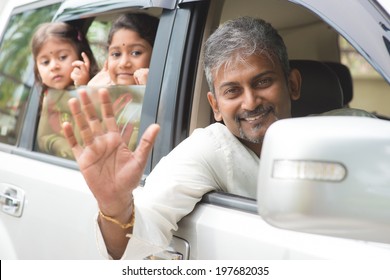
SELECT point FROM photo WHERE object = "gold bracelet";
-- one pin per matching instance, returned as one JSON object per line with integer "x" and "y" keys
{"x": 115, "y": 221}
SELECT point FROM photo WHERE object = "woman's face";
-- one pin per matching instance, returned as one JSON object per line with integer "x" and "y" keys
{"x": 127, "y": 53}
{"x": 54, "y": 63}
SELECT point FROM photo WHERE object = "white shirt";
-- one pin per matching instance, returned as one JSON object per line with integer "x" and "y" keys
{"x": 211, "y": 159}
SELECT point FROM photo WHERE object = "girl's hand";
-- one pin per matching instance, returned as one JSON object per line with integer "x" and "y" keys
{"x": 141, "y": 76}
{"x": 80, "y": 73}
{"x": 101, "y": 79}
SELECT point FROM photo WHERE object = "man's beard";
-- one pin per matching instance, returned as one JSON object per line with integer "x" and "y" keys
{"x": 266, "y": 113}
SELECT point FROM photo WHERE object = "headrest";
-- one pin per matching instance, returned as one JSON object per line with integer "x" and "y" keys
{"x": 320, "y": 92}
{"x": 345, "y": 78}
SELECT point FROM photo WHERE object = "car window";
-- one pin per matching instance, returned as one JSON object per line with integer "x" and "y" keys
{"x": 127, "y": 100}
{"x": 369, "y": 88}
{"x": 127, "y": 103}
{"x": 16, "y": 76}
{"x": 307, "y": 37}
{"x": 97, "y": 36}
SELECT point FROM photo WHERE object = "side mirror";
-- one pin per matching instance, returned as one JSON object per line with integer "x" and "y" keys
{"x": 327, "y": 175}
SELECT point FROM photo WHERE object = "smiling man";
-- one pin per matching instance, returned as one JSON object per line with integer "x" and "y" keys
{"x": 251, "y": 87}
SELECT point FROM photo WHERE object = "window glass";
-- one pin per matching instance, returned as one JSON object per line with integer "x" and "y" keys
{"x": 16, "y": 73}
{"x": 97, "y": 37}
{"x": 127, "y": 103}
{"x": 127, "y": 100}
{"x": 370, "y": 90}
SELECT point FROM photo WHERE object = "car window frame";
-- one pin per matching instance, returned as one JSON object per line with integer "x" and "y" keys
{"x": 20, "y": 141}
{"x": 29, "y": 129}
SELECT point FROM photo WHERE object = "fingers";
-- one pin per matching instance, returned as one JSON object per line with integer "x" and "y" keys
{"x": 146, "y": 144}
{"x": 101, "y": 79}
{"x": 87, "y": 119}
{"x": 78, "y": 63}
{"x": 70, "y": 137}
{"x": 107, "y": 110}
{"x": 82, "y": 64}
{"x": 141, "y": 76}
{"x": 105, "y": 66}
{"x": 121, "y": 102}
{"x": 80, "y": 69}
{"x": 81, "y": 122}
{"x": 87, "y": 63}
{"x": 75, "y": 75}
{"x": 80, "y": 73}
{"x": 90, "y": 112}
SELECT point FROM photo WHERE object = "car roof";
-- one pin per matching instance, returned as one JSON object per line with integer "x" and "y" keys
{"x": 74, "y": 9}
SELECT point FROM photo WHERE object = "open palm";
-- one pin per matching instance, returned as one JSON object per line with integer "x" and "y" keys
{"x": 110, "y": 168}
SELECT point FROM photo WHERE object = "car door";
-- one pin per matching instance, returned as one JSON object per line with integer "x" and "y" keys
{"x": 225, "y": 226}
{"x": 46, "y": 209}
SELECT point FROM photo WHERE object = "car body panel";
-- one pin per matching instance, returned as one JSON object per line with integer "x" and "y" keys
{"x": 232, "y": 234}
{"x": 55, "y": 213}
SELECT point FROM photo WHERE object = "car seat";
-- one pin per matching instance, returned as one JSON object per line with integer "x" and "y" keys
{"x": 345, "y": 78}
{"x": 320, "y": 91}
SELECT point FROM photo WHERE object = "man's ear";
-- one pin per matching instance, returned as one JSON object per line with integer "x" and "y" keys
{"x": 295, "y": 83}
{"x": 214, "y": 105}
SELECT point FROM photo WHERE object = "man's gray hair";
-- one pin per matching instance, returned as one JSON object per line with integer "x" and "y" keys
{"x": 240, "y": 38}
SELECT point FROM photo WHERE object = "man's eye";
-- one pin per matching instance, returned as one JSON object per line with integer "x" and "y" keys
{"x": 231, "y": 92}
{"x": 263, "y": 82}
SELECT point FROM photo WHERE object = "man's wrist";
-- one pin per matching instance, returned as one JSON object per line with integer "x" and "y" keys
{"x": 115, "y": 221}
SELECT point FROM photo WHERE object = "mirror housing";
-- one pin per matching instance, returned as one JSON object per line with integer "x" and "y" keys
{"x": 327, "y": 175}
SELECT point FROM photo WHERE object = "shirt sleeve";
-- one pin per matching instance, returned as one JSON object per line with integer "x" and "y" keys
{"x": 100, "y": 241}
{"x": 172, "y": 190}
{"x": 206, "y": 161}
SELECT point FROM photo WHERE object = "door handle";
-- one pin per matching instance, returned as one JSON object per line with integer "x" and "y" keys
{"x": 178, "y": 249}
{"x": 11, "y": 199}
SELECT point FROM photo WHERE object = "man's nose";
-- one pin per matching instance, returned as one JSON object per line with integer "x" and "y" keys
{"x": 250, "y": 100}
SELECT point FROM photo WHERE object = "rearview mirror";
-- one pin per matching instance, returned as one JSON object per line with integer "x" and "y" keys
{"x": 327, "y": 175}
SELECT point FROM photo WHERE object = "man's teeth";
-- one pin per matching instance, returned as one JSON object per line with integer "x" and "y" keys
{"x": 253, "y": 118}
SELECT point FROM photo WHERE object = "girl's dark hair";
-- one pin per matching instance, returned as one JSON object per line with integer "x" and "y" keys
{"x": 65, "y": 32}
{"x": 145, "y": 25}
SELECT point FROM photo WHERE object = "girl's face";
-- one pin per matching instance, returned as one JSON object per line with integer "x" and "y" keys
{"x": 54, "y": 63}
{"x": 127, "y": 53}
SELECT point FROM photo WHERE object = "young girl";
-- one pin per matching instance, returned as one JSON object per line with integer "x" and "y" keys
{"x": 130, "y": 43}
{"x": 63, "y": 59}
{"x": 62, "y": 56}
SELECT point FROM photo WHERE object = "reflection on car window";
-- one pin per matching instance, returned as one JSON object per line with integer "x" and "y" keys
{"x": 15, "y": 73}
{"x": 97, "y": 37}
{"x": 370, "y": 89}
{"x": 127, "y": 103}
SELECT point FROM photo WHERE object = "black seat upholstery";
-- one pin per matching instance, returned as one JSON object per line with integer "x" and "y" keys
{"x": 320, "y": 92}
{"x": 345, "y": 78}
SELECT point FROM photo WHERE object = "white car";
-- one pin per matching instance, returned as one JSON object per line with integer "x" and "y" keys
{"x": 323, "y": 182}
